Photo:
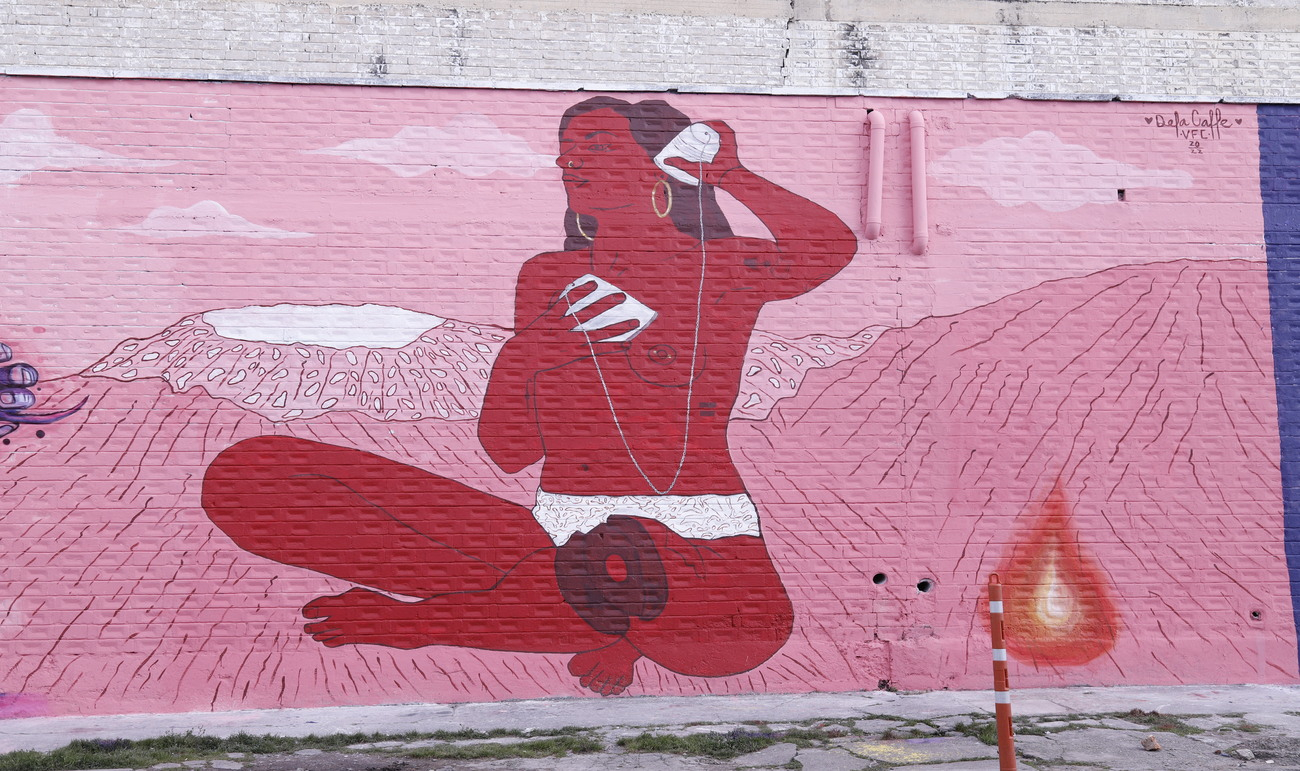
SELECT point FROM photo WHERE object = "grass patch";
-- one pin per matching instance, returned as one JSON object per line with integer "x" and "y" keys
{"x": 724, "y": 746}
{"x": 558, "y": 746}
{"x": 141, "y": 753}
{"x": 1028, "y": 728}
{"x": 805, "y": 737}
{"x": 1158, "y": 722}
{"x": 720, "y": 746}
{"x": 986, "y": 732}
{"x": 119, "y": 753}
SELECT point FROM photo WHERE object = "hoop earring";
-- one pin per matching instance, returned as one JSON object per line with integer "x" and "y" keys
{"x": 577, "y": 220}
{"x": 668, "y": 196}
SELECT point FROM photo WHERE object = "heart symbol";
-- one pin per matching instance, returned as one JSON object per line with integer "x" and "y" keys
{"x": 1239, "y": 121}
{"x": 1150, "y": 119}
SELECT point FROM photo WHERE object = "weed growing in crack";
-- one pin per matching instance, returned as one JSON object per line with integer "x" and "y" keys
{"x": 542, "y": 748}
{"x": 1167, "y": 723}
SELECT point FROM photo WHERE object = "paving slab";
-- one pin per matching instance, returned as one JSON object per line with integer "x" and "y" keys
{"x": 1123, "y": 750}
{"x": 950, "y": 723}
{"x": 1039, "y": 747}
{"x": 876, "y": 726}
{"x": 937, "y": 749}
{"x": 831, "y": 760}
{"x": 633, "y": 761}
{"x": 776, "y": 755}
{"x": 1278, "y": 718}
{"x": 1123, "y": 725}
{"x": 1172, "y": 700}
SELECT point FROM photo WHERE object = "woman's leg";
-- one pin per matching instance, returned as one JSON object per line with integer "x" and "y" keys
{"x": 719, "y": 610}
{"x": 363, "y": 518}
{"x": 704, "y": 608}
{"x": 727, "y": 611}
{"x": 525, "y": 611}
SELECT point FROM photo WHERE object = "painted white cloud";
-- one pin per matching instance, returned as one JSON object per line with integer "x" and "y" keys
{"x": 1042, "y": 170}
{"x": 468, "y": 142}
{"x": 205, "y": 218}
{"x": 29, "y": 143}
{"x": 332, "y": 326}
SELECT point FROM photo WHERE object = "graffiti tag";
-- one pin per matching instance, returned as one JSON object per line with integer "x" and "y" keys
{"x": 1196, "y": 127}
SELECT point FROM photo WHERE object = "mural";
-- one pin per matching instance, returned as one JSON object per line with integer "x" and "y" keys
{"x": 642, "y": 540}
{"x": 410, "y": 401}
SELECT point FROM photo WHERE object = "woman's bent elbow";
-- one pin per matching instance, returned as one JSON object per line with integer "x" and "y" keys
{"x": 509, "y": 456}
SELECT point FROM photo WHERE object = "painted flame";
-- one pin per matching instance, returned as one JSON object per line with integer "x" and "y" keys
{"x": 1059, "y": 605}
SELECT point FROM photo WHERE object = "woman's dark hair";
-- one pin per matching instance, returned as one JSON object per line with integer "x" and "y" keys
{"x": 654, "y": 123}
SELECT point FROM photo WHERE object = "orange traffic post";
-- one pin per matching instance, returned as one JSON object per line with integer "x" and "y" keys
{"x": 1001, "y": 681}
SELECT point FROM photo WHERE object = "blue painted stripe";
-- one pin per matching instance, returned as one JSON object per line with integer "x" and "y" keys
{"x": 1279, "y": 184}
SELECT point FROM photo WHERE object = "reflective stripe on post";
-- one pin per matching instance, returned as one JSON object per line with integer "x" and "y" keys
{"x": 1001, "y": 681}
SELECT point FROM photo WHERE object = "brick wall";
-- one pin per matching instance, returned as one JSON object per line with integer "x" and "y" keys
{"x": 1071, "y": 385}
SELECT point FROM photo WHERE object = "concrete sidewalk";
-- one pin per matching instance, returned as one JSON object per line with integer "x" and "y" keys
{"x": 1060, "y": 728}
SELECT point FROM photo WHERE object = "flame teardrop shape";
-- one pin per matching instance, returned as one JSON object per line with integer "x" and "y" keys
{"x": 1058, "y": 604}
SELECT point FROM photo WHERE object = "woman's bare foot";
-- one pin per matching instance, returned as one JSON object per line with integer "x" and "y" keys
{"x": 608, "y": 670}
{"x": 363, "y": 616}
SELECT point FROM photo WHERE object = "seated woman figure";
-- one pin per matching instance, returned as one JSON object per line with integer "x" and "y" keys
{"x": 624, "y": 365}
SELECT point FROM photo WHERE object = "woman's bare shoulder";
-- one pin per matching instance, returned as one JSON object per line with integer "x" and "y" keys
{"x": 738, "y": 252}
{"x": 740, "y": 245}
{"x": 548, "y": 261}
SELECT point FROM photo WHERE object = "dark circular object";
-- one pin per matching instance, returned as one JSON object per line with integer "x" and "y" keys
{"x": 924, "y": 585}
{"x": 1256, "y": 614}
{"x": 662, "y": 354}
{"x": 879, "y": 579}
{"x": 606, "y": 602}
{"x": 40, "y": 434}
{"x": 6, "y": 441}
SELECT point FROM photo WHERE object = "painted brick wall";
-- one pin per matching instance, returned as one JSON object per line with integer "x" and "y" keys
{"x": 264, "y": 318}
{"x": 1180, "y": 51}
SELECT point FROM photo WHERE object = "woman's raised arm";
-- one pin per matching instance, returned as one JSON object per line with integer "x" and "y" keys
{"x": 810, "y": 244}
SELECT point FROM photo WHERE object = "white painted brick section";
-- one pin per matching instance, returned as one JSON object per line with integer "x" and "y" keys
{"x": 1238, "y": 51}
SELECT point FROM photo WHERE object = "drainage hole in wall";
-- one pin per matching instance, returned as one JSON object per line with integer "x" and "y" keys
{"x": 1257, "y": 614}
{"x": 924, "y": 585}
{"x": 879, "y": 579}
{"x": 1120, "y": 193}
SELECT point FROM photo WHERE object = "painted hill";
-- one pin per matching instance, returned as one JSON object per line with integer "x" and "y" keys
{"x": 1132, "y": 408}
{"x": 1116, "y": 431}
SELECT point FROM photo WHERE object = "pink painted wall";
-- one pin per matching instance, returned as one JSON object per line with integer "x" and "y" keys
{"x": 1065, "y": 383}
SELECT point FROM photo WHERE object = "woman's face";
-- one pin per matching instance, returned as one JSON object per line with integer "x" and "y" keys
{"x": 604, "y": 167}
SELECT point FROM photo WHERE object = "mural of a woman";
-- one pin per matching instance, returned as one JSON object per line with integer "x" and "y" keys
{"x": 621, "y": 374}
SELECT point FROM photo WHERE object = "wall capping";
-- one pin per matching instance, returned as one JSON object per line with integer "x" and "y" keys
{"x": 1034, "y": 50}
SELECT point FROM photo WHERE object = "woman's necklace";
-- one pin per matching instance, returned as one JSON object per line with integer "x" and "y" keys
{"x": 690, "y": 378}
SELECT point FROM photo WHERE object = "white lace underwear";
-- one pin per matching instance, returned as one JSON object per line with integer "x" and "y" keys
{"x": 690, "y": 516}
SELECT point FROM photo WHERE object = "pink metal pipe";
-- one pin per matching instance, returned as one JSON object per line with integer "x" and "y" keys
{"x": 920, "y": 213}
{"x": 875, "y": 172}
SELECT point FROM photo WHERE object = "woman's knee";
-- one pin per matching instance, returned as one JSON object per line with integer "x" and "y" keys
{"x": 240, "y": 478}
{"x": 713, "y": 645}
{"x": 725, "y": 612}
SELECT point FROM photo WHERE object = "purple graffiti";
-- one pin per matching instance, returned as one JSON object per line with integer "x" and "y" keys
{"x": 17, "y": 397}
